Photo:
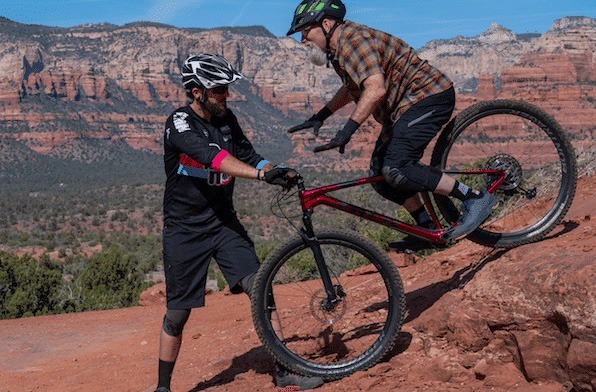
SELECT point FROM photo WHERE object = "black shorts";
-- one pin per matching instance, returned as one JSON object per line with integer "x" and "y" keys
{"x": 187, "y": 254}
{"x": 402, "y": 146}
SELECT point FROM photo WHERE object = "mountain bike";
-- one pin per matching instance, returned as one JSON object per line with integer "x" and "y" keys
{"x": 331, "y": 302}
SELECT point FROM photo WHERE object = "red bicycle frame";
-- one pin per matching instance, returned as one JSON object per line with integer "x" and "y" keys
{"x": 319, "y": 196}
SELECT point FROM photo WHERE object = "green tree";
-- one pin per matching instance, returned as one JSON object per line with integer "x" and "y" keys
{"x": 110, "y": 280}
{"x": 28, "y": 287}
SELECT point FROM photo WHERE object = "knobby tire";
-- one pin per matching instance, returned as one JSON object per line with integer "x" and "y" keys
{"x": 535, "y": 150}
{"x": 330, "y": 343}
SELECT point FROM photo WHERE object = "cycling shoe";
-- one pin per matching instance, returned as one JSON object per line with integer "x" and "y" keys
{"x": 474, "y": 212}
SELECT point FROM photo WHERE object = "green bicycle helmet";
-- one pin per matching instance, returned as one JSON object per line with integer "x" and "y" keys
{"x": 312, "y": 12}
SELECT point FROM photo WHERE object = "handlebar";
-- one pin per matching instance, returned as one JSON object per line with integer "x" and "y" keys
{"x": 295, "y": 179}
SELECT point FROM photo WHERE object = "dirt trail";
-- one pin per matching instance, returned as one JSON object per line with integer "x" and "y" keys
{"x": 116, "y": 350}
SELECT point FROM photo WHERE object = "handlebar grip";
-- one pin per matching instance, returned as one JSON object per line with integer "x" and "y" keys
{"x": 293, "y": 177}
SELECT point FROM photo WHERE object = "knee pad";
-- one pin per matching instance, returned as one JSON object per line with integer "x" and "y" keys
{"x": 394, "y": 176}
{"x": 174, "y": 320}
{"x": 413, "y": 178}
{"x": 247, "y": 283}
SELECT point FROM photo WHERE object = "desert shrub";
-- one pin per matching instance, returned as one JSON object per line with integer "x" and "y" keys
{"x": 28, "y": 287}
{"x": 110, "y": 280}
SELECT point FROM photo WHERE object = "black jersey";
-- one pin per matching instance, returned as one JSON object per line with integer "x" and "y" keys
{"x": 196, "y": 195}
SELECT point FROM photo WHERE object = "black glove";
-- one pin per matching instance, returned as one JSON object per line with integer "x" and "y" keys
{"x": 315, "y": 122}
{"x": 341, "y": 138}
{"x": 280, "y": 175}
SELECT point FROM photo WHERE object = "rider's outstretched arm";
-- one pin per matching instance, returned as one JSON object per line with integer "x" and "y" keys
{"x": 341, "y": 98}
{"x": 373, "y": 93}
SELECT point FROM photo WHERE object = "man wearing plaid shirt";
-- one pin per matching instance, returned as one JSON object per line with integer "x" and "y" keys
{"x": 409, "y": 97}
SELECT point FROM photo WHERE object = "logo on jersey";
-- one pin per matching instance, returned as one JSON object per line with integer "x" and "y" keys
{"x": 180, "y": 122}
{"x": 226, "y": 133}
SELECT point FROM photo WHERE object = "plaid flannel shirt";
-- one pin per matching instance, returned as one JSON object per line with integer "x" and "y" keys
{"x": 363, "y": 52}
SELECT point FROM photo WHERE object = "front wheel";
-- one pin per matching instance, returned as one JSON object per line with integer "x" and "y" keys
{"x": 531, "y": 147}
{"x": 309, "y": 335}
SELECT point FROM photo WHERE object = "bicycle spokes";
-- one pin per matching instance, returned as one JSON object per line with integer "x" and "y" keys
{"x": 531, "y": 148}
{"x": 324, "y": 330}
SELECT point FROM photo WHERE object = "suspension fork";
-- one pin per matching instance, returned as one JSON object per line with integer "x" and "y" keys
{"x": 308, "y": 236}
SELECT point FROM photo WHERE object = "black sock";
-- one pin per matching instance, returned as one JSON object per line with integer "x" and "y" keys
{"x": 422, "y": 218}
{"x": 463, "y": 192}
{"x": 165, "y": 373}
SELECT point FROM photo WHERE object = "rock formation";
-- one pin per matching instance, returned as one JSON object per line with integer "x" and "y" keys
{"x": 464, "y": 60}
{"x": 96, "y": 81}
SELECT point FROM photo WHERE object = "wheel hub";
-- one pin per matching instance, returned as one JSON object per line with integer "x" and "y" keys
{"x": 325, "y": 312}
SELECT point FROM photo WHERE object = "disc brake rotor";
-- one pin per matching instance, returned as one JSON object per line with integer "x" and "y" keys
{"x": 327, "y": 314}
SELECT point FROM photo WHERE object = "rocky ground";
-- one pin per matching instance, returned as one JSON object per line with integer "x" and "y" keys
{"x": 478, "y": 320}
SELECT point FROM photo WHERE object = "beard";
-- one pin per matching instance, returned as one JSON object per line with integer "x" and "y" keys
{"x": 317, "y": 56}
{"x": 216, "y": 109}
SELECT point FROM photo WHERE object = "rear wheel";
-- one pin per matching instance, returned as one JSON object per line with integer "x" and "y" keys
{"x": 532, "y": 147}
{"x": 318, "y": 338}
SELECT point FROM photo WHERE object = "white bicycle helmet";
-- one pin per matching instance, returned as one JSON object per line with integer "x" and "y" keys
{"x": 207, "y": 71}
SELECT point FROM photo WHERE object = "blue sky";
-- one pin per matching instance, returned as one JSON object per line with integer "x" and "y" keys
{"x": 416, "y": 22}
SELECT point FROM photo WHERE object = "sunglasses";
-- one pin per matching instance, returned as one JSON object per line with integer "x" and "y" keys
{"x": 219, "y": 90}
{"x": 307, "y": 29}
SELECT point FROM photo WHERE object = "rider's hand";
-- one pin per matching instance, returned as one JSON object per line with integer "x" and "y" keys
{"x": 280, "y": 175}
{"x": 341, "y": 138}
{"x": 315, "y": 122}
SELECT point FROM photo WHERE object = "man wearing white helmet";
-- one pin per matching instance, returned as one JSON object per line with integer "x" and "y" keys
{"x": 204, "y": 150}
